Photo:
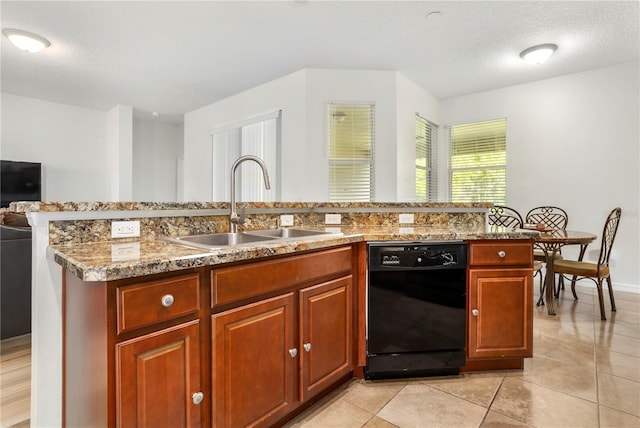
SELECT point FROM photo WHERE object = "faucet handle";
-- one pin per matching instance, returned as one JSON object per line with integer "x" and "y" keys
{"x": 239, "y": 219}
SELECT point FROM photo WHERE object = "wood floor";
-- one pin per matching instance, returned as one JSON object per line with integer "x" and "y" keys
{"x": 15, "y": 381}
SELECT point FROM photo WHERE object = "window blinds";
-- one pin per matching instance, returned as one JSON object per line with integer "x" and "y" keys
{"x": 478, "y": 161}
{"x": 351, "y": 152}
{"x": 426, "y": 160}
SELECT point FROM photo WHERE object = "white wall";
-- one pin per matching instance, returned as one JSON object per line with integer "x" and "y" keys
{"x": 70, "y": 142}
{"x": 352, "y": 86}
{"x": 572, "y": 142}
{"x": 303, "y": 97}
{"x": 412, "y": 99}
{"x": 87, "y": 155}
{"x": 156, "y": 149}
{"x": 286, "y": 94}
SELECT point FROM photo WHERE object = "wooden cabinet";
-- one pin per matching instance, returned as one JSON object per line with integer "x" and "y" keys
{"x": 133, "y": 352}
{"x": 326, "y": 335}
{"x": 253, "y": 370}
{"x": 158, "y": 378}
{"x": 500, "y": 303}
{"x": 271, "y": 356}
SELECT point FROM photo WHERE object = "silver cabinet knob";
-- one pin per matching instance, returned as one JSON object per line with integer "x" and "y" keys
{"x": 293, "y": 352}
{"x": 501, "y": 254}
{"x": 197, "y": 397}
{"x": 475, "y": 312}
{"x": 167, "y": 300}
{"x": 307, "y": 347}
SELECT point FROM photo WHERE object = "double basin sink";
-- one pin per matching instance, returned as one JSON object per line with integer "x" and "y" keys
{"x": 214, "y": 241}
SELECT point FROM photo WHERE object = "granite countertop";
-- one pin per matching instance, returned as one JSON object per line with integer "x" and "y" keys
{"x": 128, "y": 258}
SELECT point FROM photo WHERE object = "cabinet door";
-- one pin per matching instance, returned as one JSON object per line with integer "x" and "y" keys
{"x": 156, "y": 377}
{"x": 254, "y": 361}
{"x": 326, "y": 334}
{"x": 500, "y": 313}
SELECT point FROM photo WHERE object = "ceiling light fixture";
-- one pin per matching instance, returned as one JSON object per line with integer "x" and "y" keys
{"x": 538, "y": 54}
{"x": 26, "y": 41}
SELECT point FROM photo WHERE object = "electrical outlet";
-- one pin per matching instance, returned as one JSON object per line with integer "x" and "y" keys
{"x": 286, "y": 220}
{"x": 406, "y": 218}
{"x": 125, "y": 229}
{"x": 332, "y": 219}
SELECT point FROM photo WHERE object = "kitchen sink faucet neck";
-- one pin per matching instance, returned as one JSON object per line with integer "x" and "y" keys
{"x": 234, "y": 219}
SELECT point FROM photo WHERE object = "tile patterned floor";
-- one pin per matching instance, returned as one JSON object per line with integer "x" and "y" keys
{"x": 584, "y": 373}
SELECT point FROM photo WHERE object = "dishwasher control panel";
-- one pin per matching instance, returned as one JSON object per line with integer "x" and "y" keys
{"x": 417, "y": 255}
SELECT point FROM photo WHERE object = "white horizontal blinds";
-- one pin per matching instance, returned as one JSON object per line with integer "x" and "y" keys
{"x": 478, "y": 160}
{"x": 426, "y": 160}
{"x": 255, "y": 136}
{"x": 351, "y": 152}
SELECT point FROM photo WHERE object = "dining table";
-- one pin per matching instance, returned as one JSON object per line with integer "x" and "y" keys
{"x": 550, "y": 242}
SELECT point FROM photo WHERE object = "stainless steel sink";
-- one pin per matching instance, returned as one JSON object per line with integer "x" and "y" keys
{"x": 290, "y": 233}
{"x": 219, "y": 240}
{"x": 214, "y": 241}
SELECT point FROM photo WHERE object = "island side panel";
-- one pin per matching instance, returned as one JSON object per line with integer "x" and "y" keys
{"x": 85, "y": 358}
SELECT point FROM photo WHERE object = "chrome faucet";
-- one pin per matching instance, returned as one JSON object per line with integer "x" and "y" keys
{"x": 234, "y": 220}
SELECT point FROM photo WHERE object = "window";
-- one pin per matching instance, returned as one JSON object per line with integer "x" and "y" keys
{"x": 478, "y": 159}
{"x": 257, "y": 136}
{"x": 426, "y": 160}
{"x": 351, "y": 143}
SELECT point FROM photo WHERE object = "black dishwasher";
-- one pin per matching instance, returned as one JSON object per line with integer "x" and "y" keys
{"x": 416, "y": 300}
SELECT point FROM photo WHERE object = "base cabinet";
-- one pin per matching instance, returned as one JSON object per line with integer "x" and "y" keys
{"x": 253, "y": 369}
{"x": 158, "y": 379}
{"x": 262, "y": 371}
{"x": 500, "y": 306}
{"x": 500, "y": 303}
{"x": 326, "y": 335}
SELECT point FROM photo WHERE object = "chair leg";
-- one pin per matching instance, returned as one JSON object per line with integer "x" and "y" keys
{"x": 542, "y": 282}
{"x": 613, "y": 301}
{"x": 573, "y": 288}
{"x": 601, "y": 299}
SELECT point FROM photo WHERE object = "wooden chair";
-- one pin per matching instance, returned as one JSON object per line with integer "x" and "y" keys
{"x": 597, "y": 272}
{"x": 500, "y": 215}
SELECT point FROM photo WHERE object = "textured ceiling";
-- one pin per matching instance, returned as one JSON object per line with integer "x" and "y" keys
{"x": 176, "y": 56}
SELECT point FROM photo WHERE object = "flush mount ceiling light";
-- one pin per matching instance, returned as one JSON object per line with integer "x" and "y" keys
{"x": 538, "y": 54}
{"x": 26, "y": 41}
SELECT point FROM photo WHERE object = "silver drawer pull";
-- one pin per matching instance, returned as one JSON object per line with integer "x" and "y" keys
{"x": 197, "y": 397}
{"x": 293, "y": 352}
{"x": 167, "y": 300}
{"x": 307, "y": 347}
{"x": 501, "y": 254}
{"x": 475, "y": 312}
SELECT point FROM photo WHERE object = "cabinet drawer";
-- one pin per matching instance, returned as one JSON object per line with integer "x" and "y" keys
{"x": 242, "y": 282}
{"x": 502, "y": 253}
{"x": 153, "y": 302}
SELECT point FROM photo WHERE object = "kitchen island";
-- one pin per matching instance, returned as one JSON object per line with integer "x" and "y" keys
{"x": 72, "y": 244}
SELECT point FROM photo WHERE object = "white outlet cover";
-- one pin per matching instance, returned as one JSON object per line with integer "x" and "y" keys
{"x": 125, "y": 229}
{"x": 332, "y": 219}
{"x": 286, "y": 220}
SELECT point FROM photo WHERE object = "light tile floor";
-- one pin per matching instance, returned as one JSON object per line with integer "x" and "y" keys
{"x": 584, "y": 373}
